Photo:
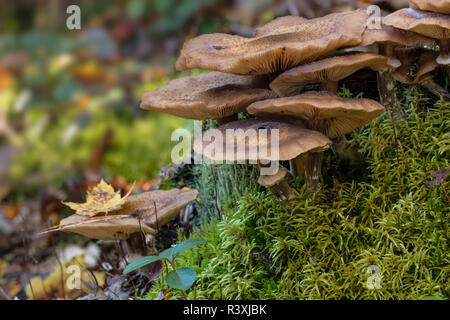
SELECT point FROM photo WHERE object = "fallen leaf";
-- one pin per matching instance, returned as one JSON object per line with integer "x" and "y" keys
{"x": 100, "y": 199}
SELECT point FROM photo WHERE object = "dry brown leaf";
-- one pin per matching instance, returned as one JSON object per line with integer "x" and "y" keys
{"x": 100, "y": 199}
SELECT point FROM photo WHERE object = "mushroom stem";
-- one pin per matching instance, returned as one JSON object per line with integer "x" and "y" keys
{"x": 331, "y": 86}
{"x": 224, "y": 120}
{"x": 388, "y": 98}
{"x": 313, "y": 168}
{"x": 444, "y": 46}
{"x": 436, "y": 89}
{"x": 386, "y": 84}
{"x": 298, "y": 165}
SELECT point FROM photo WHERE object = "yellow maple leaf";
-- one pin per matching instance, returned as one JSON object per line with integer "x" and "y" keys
{"x": 100, "y": 199}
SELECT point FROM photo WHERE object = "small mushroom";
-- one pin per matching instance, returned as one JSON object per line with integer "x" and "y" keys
{"x": 293, "y": 142}
{"x": 430, "y": 24}
{"x": 383, "y": 41}
{"x": 288, "y": 45}
{"x": 322, "y": 111}
{"x": 439, "y": 6}
{"x": 417, "y": 67}
{"x": 142, "y": 213}
{"x": 214, "y": 95}
{"x": 327, "y": 72}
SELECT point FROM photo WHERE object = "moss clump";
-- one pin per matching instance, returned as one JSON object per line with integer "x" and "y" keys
{"x": 323, "y": 247}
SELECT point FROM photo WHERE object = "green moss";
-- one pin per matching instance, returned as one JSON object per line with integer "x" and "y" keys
{"x": 323, "y": 247}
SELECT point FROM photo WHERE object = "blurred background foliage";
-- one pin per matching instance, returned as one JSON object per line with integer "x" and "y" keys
{"x": 69, "y": 99}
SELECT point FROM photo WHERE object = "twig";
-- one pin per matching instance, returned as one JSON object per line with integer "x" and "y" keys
{"x": 436, "y": 89}
{"x": 445, "y": 191}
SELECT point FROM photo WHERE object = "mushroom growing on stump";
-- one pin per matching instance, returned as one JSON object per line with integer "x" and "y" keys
{"x": 245, "y": 144}
{"x": 288, "y": 45}
{"x": 214, "y": 95}
{"x": 430, "y": 24}
{"x": 327, "y": 72}
{"x": 143, "y": 214}
{"x": 322, "y": 111}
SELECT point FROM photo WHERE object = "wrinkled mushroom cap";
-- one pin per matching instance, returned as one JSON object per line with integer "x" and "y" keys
{"x": 429, "y": 24}
{"x": 323, "y": 111}
{"x": 293, "y": 141}
{"x": 416, "y": 66}
{"x": 299, "y": 43}
{"x": 440, "y": 6}
{"x": 140, "y": 213}
{"x": 330, "y": 69}
{"x": 213, "y": 95}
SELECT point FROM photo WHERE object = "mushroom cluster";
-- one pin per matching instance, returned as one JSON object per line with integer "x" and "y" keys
{"x": 269, "y": 75}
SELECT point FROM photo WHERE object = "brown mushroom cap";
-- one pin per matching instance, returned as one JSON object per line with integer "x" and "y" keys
{"x": 136, "y": 215}
{"x": 440, "y": 6}
{"x": 429, "y": 24}
{"x": 212, "y": 95}
{"x": 300, "y": 43}
{"x": 323, "y": 111}
{"x": 117, "y": 227}
{"x": 273, "y": 179}
{"x": 416, "y": 66}
{"x": 293, "y": 141}
{"x": 330, "y": 69}
{"x": 390, "y": 35}
{"x": 166, "y": 203}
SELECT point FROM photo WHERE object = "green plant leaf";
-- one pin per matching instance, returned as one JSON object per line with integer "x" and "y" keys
{"x": 186, "y": 245}
{"x": 139, "y": 263}
{"x": 181, "y": 278}
{"x": 167, "y": 254}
